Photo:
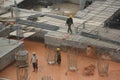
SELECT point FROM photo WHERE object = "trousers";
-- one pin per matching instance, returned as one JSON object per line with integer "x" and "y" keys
{"x": 69, "y": 29}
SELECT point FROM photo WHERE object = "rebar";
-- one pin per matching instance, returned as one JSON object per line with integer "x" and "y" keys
{"x": 22, "y": 65}
{"x": 51, "y": 58}
{"x": 46, "y": 78}
{"x": 72, "y": 57}
{"x": 103, "y": 67}
{"x": 22, "y": 73}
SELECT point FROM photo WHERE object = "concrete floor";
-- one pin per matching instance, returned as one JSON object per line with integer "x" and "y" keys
{"x": 64, "y": 9}
{"x": 55, "y": 71}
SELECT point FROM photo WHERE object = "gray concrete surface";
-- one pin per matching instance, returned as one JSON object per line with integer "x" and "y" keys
{"x": 8, "y": 48}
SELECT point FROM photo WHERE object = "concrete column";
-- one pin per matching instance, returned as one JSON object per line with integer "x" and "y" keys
{"x": 82, "y": 4}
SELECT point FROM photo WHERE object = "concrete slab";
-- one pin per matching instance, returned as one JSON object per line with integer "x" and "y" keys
{"x": 9, "y": 3}
{"x": 71, "y": 40}
{"x": 8, "y": 48}
{"x": 23, "y": 34}
{"x": 99, "y": 13}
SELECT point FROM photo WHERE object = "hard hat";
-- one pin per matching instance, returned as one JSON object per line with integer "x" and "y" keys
{"x": 34, "y": 53}
{"x": 70, "y": 16}
{"x": 58, "y": 49}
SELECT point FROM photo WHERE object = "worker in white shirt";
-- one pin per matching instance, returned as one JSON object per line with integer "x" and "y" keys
{"x": 34, "y": 61}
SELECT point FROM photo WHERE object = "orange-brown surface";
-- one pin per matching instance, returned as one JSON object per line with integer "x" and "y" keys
{"x": 55, "y": 71}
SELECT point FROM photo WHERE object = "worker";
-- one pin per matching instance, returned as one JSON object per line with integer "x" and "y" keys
{"x": 69, "y": 22}
{"x": 58, "y": 56}
{"x": 34, "y": 61}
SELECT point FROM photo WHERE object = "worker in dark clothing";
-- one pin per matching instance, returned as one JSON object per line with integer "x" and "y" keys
{"x": 34, "y": 61}
{"x": 58, "y": 55}
{"x": 69, "y": 22}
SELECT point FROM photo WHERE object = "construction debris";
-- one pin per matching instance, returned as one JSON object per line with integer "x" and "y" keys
{"x": 89, "y": 70}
